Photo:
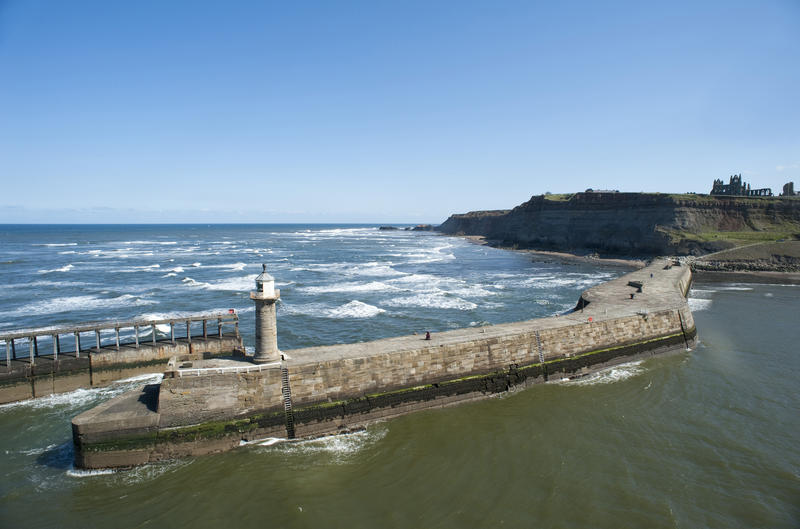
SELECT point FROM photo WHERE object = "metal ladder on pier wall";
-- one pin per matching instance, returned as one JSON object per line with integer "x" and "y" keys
{"x": 541, "y": 353}
{"x": 287, "y": 402}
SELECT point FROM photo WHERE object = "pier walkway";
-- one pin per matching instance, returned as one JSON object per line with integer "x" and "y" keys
{"x": 38, "y": 362}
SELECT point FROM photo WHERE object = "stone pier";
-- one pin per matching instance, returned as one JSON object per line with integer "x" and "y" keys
{"x": 212, "y": 406}
{"x": 40, "y": 362}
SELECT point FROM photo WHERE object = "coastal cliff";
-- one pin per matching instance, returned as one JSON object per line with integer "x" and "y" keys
{"x": 641, "y": 224}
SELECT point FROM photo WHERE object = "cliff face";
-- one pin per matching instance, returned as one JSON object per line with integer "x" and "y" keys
{"x": 634, "y": 223}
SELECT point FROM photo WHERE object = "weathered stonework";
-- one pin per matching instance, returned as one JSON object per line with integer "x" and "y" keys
{"x": 20, "y": 380}
{"x": 338, "y": 388}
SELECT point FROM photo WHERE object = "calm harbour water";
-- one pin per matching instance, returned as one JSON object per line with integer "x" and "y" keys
{"x": 707, "y": 438}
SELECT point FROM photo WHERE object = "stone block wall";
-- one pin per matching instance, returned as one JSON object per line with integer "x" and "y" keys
{"x": 337, "y": 388}
{"x": 347, "y": 378}
{"x": 93, "y": 368}
{"x": 193, "y": 399}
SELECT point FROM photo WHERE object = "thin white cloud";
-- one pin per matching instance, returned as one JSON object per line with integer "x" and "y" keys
{"x": 795, "y": 165}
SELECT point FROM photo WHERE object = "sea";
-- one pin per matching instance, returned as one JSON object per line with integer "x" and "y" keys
{"x": 702, "y": 438}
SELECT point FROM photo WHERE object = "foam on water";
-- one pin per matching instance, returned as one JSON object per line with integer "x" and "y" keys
{"x": 562, "y": 281}
{"x": 132, "y": 476}
{"x": 697, "y": 304}
{"x": 161, "y": 243}
{"x": 143, "y": 268}
{"x": 236, "y": 284}
{"x": 428, "y": 283}
{"x": 348, "y": 269}
{"x": 80, "y": 397}
{"x": 423, "y": 255}
{"x": 328, "y": 233}
{"x": 355, "y": 309}
{"x": 315, "y": 309}
{"x": 424, "y": 281}
{"x": 65, "y": 268}
{"x": 610, "y": 375}
{"x": 338, "y": 447}
{"x": 162, "y": 328}
{"x": 48, "y": 284}
{"x": 80, "y": 473}
{"x": 432, "y": 301}
{"x": 78, "y": 303}
{"x": 471, "y": 291}
{"x": 269, "y": 441}
{"x": 38, "y": 451}
{"x": 374, "y": 286}
{"x": 375, "y": 269}
{"x": 163, "y": 315}
{"x": 233, "y": 267}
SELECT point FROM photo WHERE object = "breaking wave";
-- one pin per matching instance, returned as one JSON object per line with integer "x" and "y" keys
{"x": 432, "y": 301}
{"x": 698, "y": 304}
{"x": 374, "y": 286}
{"x": 65, "y": 268}
{"x": 355, "y": 309}
{"x": 81, "y": 397}
{"x": 78, "y": 303}
{"x": 610, "y": 375}
{"x": 235, "y": 284}
{"x": 339, "y": 448}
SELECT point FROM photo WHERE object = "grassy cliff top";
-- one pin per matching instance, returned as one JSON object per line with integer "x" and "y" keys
{"x": 561, "y": 197}
{"x": 676, "y": 197}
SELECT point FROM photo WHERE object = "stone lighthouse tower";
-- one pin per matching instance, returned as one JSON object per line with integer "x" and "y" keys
{"x": 265, "y": 297}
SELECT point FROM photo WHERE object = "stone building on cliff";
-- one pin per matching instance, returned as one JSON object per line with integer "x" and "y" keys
{"x": 788, "y": 190}
{"x": 736, "y": 187}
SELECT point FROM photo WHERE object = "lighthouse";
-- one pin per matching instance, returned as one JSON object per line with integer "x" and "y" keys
{"x": 265, "y": 297}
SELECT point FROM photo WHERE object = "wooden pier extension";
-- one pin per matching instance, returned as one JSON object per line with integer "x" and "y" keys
{"x": 40, "y": 362}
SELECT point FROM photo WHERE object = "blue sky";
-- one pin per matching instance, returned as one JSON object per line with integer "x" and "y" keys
{"x": 376, "y": 111}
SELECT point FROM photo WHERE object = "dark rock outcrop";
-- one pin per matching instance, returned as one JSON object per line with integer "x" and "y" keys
{"x": 770, "y": 257}
{"x": 641, "y": 224}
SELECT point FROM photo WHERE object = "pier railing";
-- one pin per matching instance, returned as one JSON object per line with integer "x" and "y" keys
{"x": 125, "y": 334}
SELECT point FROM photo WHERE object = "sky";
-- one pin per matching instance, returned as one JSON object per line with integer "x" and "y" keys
{"x": 380, "y": 111}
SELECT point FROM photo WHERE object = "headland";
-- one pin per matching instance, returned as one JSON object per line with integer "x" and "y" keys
{"x": 644, "y": 225}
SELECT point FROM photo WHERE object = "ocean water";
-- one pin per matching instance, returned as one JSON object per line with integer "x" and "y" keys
{"x": 707, "y": 438}
{"x": 338, "y": 284}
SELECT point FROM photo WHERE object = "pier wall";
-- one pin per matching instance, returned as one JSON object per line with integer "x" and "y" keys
{"x": 47, "y": 376}
{"x": 190, "y": 399}
{"x": 497, "y": 349}
{"x": 348, "y": 393}
{"x": 337, "y": 388}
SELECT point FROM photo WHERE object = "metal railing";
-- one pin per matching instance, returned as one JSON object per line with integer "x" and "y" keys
{"x": 32, "y": 336}
{"x": 198, "y": 371}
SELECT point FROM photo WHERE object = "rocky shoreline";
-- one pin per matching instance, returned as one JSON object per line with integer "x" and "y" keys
{"x": 774, "y": 262}
{"x": 777, "y": 263}
{"x": 547, "y": 256}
